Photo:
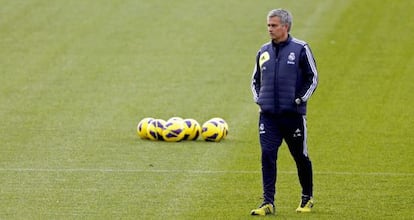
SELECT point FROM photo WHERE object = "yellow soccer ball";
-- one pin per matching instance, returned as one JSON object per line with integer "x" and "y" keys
{"x": 212, "y": 131}
{"x": 224, "y": 123}
{"x": 192, "y": 129}
{"x": 142, "y": 127}
{"x": 155, "y": 129}
{"x": 173, "y": 131}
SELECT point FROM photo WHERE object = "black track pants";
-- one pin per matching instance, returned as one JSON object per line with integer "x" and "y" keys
{"x": 291, "y": 128}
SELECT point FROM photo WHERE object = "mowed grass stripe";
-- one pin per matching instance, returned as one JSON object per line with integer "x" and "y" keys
{"x": 363, "y": 85}
{"x": 56, "y": 117}
{"x": 63, "y": 100}
{"x": 109, "y": 170}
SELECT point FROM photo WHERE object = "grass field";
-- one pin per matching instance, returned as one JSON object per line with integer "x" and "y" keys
{"x": 77, "y": 76}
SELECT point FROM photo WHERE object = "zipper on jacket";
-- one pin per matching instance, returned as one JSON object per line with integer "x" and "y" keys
{"x": 276, "y": 49}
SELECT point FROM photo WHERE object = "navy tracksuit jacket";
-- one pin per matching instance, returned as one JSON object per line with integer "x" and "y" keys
{"x": 283, "y": 73}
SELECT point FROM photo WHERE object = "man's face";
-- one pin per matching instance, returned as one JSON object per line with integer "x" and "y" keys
{"x": 278, "y": 32}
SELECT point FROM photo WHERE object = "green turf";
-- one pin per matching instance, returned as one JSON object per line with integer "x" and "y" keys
{"x": 77, "y": 76}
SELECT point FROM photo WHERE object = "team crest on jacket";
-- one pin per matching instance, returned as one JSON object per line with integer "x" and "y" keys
{"x": 291, "y": 58}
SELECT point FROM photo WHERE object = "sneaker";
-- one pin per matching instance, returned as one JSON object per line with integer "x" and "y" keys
{"x": 306, "y": 204}
{"x": 264, "y": 209}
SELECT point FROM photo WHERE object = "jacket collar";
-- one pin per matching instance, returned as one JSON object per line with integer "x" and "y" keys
{"x": 284, "y": 43}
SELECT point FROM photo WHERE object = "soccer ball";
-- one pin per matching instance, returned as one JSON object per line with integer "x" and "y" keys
{"x": 192, "y": 129}
{"x": 212, "y": 131}
{"x": 224, "y": 123}
{"x": 142, "y": 127}
{"x": 155, "y": 129}
{"x": 173, "y": 131}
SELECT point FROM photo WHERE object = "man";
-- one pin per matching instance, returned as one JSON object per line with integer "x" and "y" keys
{"x": 284, "y": 78}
